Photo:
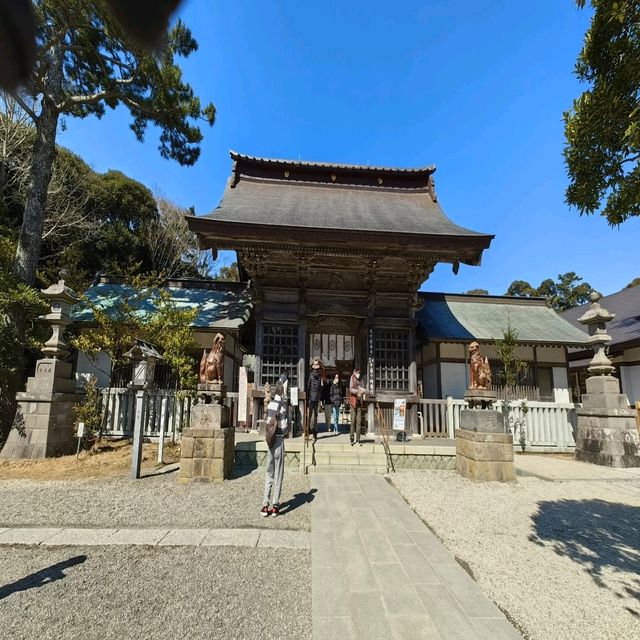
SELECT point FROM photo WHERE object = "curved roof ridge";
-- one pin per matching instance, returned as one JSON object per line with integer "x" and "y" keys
{"x": 330, "y": 165}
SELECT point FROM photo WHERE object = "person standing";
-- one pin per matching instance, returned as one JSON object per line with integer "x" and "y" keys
{"x": 314, "y": 392}
{"x": 356, "y": 403}
{"x": 275, "y": 453}
{"x": 326, "y": 401}
{"x": 335, "y": 395}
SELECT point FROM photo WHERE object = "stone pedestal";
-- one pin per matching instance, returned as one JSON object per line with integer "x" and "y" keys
{"x": 208, "y": 446}
{"x": 482, "y": 420}
{"x": 484, "y": 452}
{"x": 484, "y": 456}
{"x": 607, "y": 433}
{"x": 43, "y": 423}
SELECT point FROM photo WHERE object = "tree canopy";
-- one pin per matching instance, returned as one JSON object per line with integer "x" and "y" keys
{"x": 634, "y": 283}
{"x": 230, "y": 273}
{"x": 602, "y": 130}
{"x": 567, "y": 292}
{"x": 85, "y": 63}
{"x": 477, "y": 292}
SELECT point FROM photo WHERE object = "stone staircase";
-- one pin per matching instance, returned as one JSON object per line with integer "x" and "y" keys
{"x": 339, "y": 458}
{"x": 336, "y": 455}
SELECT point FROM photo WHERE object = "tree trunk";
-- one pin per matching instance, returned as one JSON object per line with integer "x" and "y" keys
{"x": 44, "y": 151}
{"x": 42, "y": 156}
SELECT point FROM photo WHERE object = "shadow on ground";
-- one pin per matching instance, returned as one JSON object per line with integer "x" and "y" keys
{"x": 42, "y": 577}
{"x": 597, "y": 535}
{"x": 298, "y": 500}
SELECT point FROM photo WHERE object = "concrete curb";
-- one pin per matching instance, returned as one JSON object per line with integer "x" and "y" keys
{"x": 68, "y": 537}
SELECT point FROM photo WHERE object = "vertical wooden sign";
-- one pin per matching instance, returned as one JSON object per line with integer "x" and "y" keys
{"x": 371, "y": 371}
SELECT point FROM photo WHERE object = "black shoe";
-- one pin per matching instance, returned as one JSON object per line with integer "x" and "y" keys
{"x": 352, "y": 443}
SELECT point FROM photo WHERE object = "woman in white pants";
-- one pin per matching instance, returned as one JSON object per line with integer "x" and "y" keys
{"x": 275, "y": 454}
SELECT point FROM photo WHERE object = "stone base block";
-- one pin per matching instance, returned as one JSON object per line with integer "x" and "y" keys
{"x": 486, "y": 420}
{"x": 485, "y": 457}
{"x": 610, "y": 440}
{"x": 42, "y": 427}
{"x": 209, "y": 416}
{"x": 207, "y": 455}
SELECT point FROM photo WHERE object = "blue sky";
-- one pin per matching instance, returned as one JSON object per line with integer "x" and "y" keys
{"x": 476, "y": 88}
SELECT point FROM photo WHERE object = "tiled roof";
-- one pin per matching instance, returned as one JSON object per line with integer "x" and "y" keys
{"x": 625, "y": 327}
{"x": 326, "y": 206}
{"x": 221, "y": 305}
{"x": 463, "y": 318}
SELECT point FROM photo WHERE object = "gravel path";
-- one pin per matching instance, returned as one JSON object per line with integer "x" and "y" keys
{"x": 155, "y": 593}
{"x": 561, "y": 558}
{"x": 158, "y": 501}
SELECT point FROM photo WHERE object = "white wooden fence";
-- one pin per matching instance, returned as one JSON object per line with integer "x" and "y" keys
{"x": 544, "y": 426}
{"x": 165, "y": 411}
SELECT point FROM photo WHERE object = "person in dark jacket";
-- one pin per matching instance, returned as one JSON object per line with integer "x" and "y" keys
{"x": 314, "y": 392}
{"x": 326, "y": 401}
{"x": 335, "y": 395}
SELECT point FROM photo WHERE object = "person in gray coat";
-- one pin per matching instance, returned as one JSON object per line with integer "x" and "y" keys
{"x": 275, "y": 454}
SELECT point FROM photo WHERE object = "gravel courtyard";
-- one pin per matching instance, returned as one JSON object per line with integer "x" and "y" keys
{"x": 562, "y": 558}
{"x": 152, "y": 592}
{"x": 157, "y": 501}
{"x": 104, "y": 592}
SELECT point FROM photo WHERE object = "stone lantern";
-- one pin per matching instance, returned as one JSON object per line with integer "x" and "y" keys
{"x": 61, "y": 299}
{"x": 42, "y": 427}
{"x": 143, "y": 356}
{"x": 607, "y": 433}
{"x": 595, "y": 320}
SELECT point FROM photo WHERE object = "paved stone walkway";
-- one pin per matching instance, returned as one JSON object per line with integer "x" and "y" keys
{"x": 53, "y": 537}
{"x": 379, "y": 572}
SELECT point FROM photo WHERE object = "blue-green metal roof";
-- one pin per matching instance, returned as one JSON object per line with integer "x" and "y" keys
{"x": 463, "y": 318}
{"x": 221, "y": 305}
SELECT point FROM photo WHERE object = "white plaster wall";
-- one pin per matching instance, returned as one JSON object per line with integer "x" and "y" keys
{"x": 450, "y": 350}
{"x": 430, "y": 380}
{"x": 561, "y": 392}
{"x": 98, "y": 366}
{"x": 522, "y": 352}
{"x": 454, "y": 379}
{"x": 630, "y": 379}
{"x": 550, "y": 354}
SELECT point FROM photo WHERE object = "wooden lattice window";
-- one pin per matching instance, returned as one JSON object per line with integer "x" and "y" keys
{"x": 391, "y": 352}
{"x": 279, "y": 353}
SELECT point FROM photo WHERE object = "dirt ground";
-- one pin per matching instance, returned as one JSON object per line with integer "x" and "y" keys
{"x": 105, "y": 459}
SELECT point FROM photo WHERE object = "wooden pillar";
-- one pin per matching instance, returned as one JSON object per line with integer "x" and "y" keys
{"x": 302, "y": 353}
{"x": 413, "y": 377}
{"x": 257, "y": 383}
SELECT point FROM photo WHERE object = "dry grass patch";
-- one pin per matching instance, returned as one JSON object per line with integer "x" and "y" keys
{"x": 109, "y": 458}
